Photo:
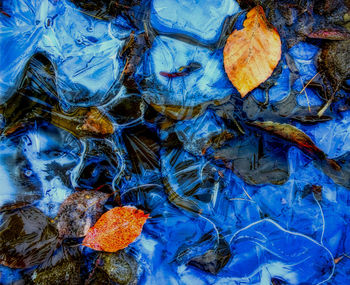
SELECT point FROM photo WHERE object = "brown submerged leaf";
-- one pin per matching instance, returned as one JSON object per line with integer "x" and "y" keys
{"x": 292, "y": 135}
{"x": 298, "y": 138}
{"x": 79, "y": 212}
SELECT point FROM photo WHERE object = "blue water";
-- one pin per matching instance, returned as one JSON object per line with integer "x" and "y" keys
{"x": 271, "y": 231}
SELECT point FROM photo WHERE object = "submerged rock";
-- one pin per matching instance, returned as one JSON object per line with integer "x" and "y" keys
{"x": 201, "y": 20}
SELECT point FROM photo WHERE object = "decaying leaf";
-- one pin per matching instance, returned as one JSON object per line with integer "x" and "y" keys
{"x": 27, "y": 237}
{"x": 251, "y": 54}
{"x": 79, "y": 212}
{"x": 297, "y": 138}
{"x": 341, "y": 175}
{"x": 337, "y": 169}
{"x": 292, "y": 135}
{"x": 116, "y": 229}
{"x": 133, "y": 51}
{"x": 338, "y": 259}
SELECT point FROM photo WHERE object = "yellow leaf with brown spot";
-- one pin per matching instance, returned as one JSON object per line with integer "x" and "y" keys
{"x": 251, "y": 54}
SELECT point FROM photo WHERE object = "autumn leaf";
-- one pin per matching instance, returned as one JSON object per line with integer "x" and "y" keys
{"x": 292, "y": 135}
{"x": 296, "y": 137}
{"x": 251, "y": 54}
{"x": 116, "y": 229}
{"x": 79, "y": 212}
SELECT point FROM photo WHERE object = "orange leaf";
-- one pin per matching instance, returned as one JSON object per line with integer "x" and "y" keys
{"x": 116, "y": 229}
{"x": 251, "y": 54}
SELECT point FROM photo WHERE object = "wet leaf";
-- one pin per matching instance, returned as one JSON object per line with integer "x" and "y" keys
{"x": 79, "y": 212}
{"x": 251, "y": 54}
{"x": 338, "y": 259}
{"x": 298, "y": 138}
{"x": 317, "y": 192}
{"x": 116, "y": 229}
{"x": 27, "y": 237}
{"x": 292, "y": 135}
